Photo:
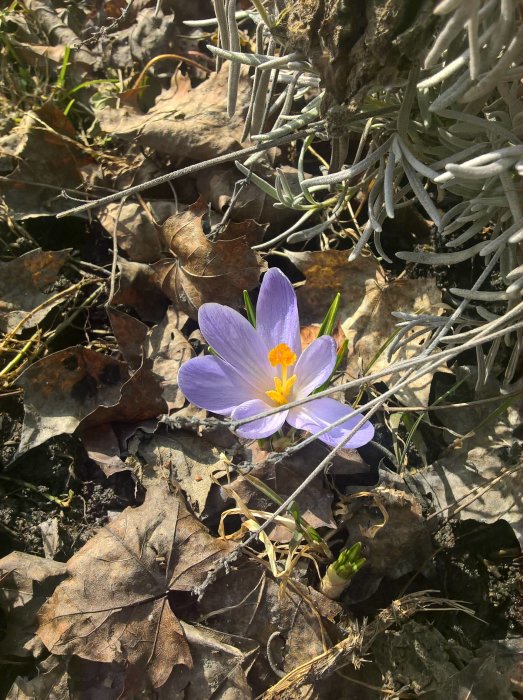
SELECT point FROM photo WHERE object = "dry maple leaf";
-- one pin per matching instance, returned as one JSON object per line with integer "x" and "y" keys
{"x": 117, "y": 604}
{"x": 208, "y": 270}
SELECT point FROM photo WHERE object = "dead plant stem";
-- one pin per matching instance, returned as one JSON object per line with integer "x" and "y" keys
{"x": 182, "y": 172}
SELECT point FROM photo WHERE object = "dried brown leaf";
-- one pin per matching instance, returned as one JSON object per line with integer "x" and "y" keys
{"x": 395, "y": 536}
{"x": 117, "y": 604}
{"x": 38, "y": 159}
{"x": 64, "y": 388}
{"x": 217, "y": 186}
{"x": 138, "y": 289}
{"x": 26, "y": 582}
{"x": 220, "y": 663}
{"x": 167, "y": 349}
{"x": 23, "y": 282}
{"x": 62, "y": 678}
{"x": 482, "y": 483}
{"x": 103, "y": 447}
{"x": 51, "y": 683}
{"x": 248, "y": 602}
{"x": 137, "y": 227}
{"x": 368, "y": 299}
{"x": 51, "y": 23}
{"x": 314, "y": 502}
{"x": 130, "y": 334}
{"x": 190, "y": 460}
{"x": 208, "y": 270}
{"x": 155, "y": 356}
{"x": 185, "y": 123}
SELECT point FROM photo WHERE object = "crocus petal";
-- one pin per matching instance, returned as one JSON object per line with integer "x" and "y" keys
{"x": 236, "y": 341}
{"x": 209, "y": 382}
{"x": 258, "y": 428}
{"x": 314, "y": 366}
{"x": 320, "y": 413}
{"x": 277, "y": 319}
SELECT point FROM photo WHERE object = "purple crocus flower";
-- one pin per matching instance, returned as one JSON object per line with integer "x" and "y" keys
{"x": 259, "y": 368}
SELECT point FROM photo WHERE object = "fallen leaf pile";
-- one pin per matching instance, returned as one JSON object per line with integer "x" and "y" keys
{"x": 125, "y": 570}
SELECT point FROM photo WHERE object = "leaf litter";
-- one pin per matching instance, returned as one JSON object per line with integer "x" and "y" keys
{"x": 156, "y": 603}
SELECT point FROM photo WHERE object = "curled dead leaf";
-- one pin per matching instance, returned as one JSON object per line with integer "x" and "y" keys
{"x": 185, "y": 122}
{"x": 208, "y": 270}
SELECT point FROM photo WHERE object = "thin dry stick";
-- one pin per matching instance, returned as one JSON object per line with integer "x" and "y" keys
{"x": 465, "y": 404}
{"x": 115, "y": 252}
{"x": 189, "y": 170}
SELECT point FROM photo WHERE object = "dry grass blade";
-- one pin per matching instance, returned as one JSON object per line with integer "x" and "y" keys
{"x": 357, "y": 644}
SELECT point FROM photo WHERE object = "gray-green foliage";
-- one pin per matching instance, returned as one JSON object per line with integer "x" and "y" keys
{"x": 450, "y": 126}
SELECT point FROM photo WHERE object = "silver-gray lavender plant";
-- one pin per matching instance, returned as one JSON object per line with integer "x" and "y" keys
{"x": 452, "y": 125}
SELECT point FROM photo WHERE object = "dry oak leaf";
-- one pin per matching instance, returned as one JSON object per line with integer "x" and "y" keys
{"x": 186, "y": 123}
{"x": 22, "y": 285}
{"x": 26, "y": 581}
{"x": 368, "y": 299}
{"x": 208, "y": 270}
{"x": 117, "y": 604}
